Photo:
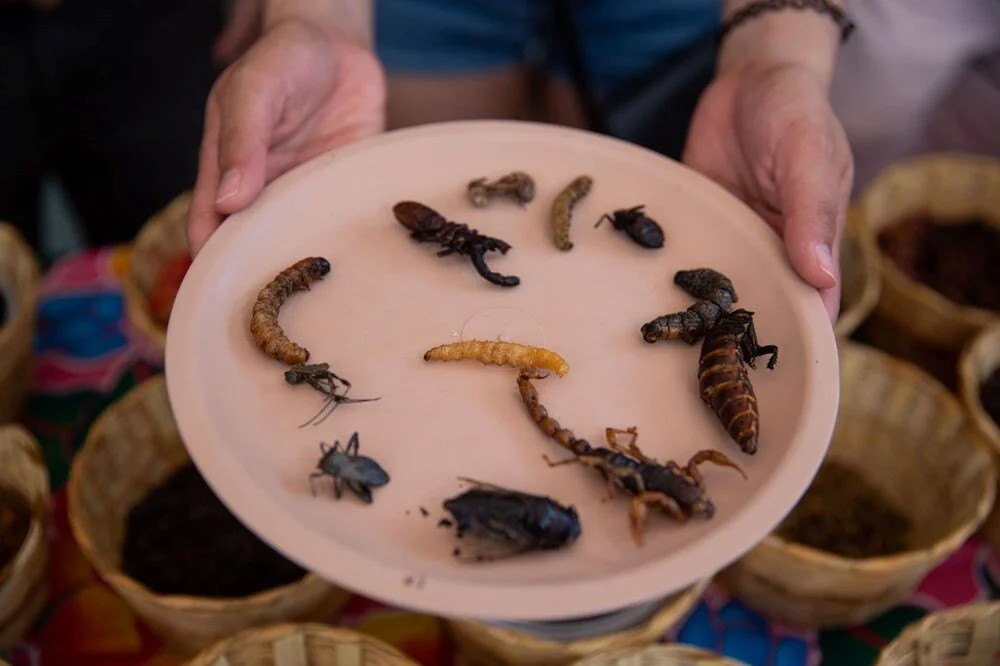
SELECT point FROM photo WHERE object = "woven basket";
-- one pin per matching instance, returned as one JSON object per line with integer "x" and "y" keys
{"x": 659, "y": 655}
{"x": 161, "y": 239}
{"x": 978, "y": 361}
{"x": 484, "y": 644}
{"x": 962, "y": 636}
{"x": 131, "y": 448}
{"x": 24, "y": 584}
{"x": 906, "y": 435}
{"x": 19, "y": 277}
{"x": 861, "y": 278}
{"x": 948, "y": 188}
{"x": 300, "y": 645}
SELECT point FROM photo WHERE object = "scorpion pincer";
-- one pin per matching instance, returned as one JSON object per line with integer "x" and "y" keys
{"x": 678, "y": 491}
{"x": 511, "y": 522}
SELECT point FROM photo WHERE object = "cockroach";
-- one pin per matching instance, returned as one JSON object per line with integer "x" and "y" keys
{"x": 264, "y": 327}
{"x": 346, "y": 467}
{"x": 633, "y": 221}
{"x": 679, "y": 492}
{"x": 517, "y": 186}
{"x": 427, "y": 225}
{"x": 716, "y": 297}
{"x": 562, "y": 209}
{"x": 500, "y": 353}
{"x": 320, "y": 377}
{"x": 511, "y": 522}
{"x": 723, "y": 378}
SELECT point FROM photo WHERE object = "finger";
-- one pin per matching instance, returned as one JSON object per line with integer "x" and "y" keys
{"x": 810, "y": 170}
{"x": 203, "y": 217}
{"x": 241, "y": 29}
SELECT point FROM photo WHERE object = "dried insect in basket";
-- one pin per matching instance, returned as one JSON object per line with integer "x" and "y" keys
{"x": 679, "y": 492}
{"x": 562, "y": 210}
{"x": 264, "y": 327}
{"x": 510, "y": 522}
{"x": 428, "y": 226}
{"x": 517, "y": 186}
{"x": 359, "y": 473}
{"x": 716, "y": 297}
{"x": 729, "y": 348}
{"x": 513, "y": 354}
{"x": 320, "y": 377}
{"x": 633, "y": 221}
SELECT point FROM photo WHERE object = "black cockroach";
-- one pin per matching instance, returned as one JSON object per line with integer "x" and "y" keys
{"x": 428, "y": 226}
{"x": 725, "y": 386}
{"x": 320, "y": 377}
{"x": 716, "y": 297}
{"x": 346, "y": 467}
{"x": 512, "y": 522}
{"x": 639, "y": 227}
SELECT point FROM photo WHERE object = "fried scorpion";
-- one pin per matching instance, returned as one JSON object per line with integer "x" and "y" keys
{"x": 679, "y": 492}
{"x": 716, "y": 297}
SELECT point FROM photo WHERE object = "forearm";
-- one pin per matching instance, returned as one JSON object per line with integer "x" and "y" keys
{"x": 784, "y": 37}
{"x": 351, "y": 17}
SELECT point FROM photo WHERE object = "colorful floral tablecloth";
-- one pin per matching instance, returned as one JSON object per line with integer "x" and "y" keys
{"x": 88, "y": 356}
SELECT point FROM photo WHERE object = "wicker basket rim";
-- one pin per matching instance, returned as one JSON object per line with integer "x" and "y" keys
{"x": 138, "y": 308}
{"x": 947, "y": 542}
{"x": 969, "y": 384}
{"x": 911, "y": 633}
{"x": 26, "y": 298}
{"x": 664, "y": 649}
{"x": 281, "y": 629}
{"x": 113, "y": 574}
{"x": 851, "y": 317}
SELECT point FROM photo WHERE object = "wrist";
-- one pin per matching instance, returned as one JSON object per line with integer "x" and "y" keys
{"x": 803, "y": 38}
{"x": 352, "y": 19}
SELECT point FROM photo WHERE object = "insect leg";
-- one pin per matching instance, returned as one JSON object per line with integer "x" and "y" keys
{"x": 337, "y": 488}
{"x": 361, "y": 490}
{"x": 353, "y": 445}
{"x": 607, "y": 217}
{"x": 632, "y": 448}
{"x": 637, "y": 512}
{"x": 709, "y": 455}
{"x": 752, "y": 349}
{"x": 557, "y": 463}
{"x": 312, "y": 480}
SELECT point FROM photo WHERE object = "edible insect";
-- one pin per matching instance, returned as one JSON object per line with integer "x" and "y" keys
{"x": 320, "y": 377}
{"x": 264, "y": 327}
{"x": 509, "y": 523}
{"x": 517, "y": 186}
{"x": 679, "y": 492}
{"x": 428, "y": 226}
{"x": 500, "y": 353}
{"x": 716, "y": 297}
{"x": 723, "y": 378}
{"x": 562, "y": 210}
{"x": 639, "y": 227}
{"x": 346, "y": 467}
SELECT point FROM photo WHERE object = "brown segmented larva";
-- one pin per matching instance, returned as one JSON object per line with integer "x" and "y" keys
{"x": 562, "y": 210}
{"x": 264, "y": 327}
{"x": 513, "y": 354}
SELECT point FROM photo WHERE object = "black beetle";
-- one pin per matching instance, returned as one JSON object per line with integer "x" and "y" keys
{"x": 360, "y": 473}
{"x": 633, "y": 221}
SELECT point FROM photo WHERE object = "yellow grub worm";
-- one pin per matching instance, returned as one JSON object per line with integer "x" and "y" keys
{"x": 562, "y": 210}
{"x": 513, "y": 354}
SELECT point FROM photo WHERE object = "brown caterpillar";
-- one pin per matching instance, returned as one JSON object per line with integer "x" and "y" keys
{"x": 716, "y": 294}
{"x": 562, "y": 210}
{"x": 264, "y": 327}
{"x": 723, "y": 379}
{"x": 500, "y": 353}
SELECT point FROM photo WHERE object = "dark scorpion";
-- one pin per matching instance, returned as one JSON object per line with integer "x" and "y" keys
{"x": 320, "y": 377}
{"x": 427, "y": 225}
{"x": 678, "y": 491}
{"x": 357, "y": 472}
{"x": 514, "y": 522}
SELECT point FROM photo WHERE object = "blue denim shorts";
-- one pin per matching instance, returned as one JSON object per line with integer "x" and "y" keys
{"x": 621, "y": 39}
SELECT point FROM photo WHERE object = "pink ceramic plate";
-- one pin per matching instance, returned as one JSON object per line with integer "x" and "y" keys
{"x": 389, "y": 298}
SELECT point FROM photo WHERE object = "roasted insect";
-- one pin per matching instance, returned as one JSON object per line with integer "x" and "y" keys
{"x": 319, "y": 376}
{"x": 500, "y": 353}
{"x": 427, "y": 225}
{"x": 562, "y": 210}
{"x": 511, "y": 522}
{"x": 679, "y": 492}
{"x": 517, "y": 186}
{"x": 725, "y": 385}
{"x": 264, "y": 327}
{"x": 716, "y": 294}
{"x": 634, "y": 222}
{"x": 346, "y": 467}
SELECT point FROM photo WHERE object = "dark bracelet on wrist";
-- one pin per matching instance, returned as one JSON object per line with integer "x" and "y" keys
{"x": 762, "y": 6}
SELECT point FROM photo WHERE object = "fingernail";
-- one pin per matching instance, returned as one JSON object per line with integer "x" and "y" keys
{"x": 229, "y": 185}
{"x": 824, "y": 260}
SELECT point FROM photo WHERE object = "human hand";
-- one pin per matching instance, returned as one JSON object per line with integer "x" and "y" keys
{"x": 300, "y": 91}
{"x": 769, "y": 136}
{"x": 242, "y": 28}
